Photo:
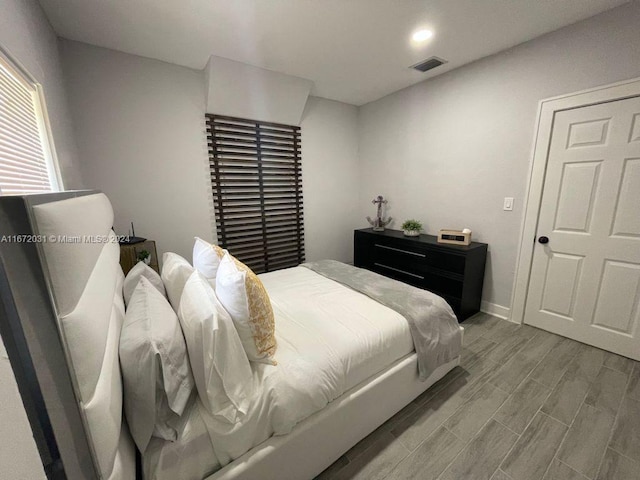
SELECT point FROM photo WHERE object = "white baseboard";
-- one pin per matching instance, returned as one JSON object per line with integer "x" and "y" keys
{"x": 496, "y": 310}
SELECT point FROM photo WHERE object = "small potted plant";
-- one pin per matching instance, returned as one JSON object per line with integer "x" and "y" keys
{"x": 411, "y": 228}
{"x": 144, "y": 256}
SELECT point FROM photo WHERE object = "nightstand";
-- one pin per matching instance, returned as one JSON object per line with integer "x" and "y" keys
{"x": 129, "y": 255}
{"x": 455, "y": 272}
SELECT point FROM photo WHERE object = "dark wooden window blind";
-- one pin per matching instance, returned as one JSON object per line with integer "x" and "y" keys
{"x": 257, "y": 191}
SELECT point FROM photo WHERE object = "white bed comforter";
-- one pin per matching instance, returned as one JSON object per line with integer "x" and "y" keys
{"x": 330, "y": 338}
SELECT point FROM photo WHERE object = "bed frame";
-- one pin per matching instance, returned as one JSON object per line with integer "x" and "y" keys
{"x": 75, "y": 407}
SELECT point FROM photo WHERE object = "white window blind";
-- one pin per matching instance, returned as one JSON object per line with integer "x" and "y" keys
{"x": 26, "y": 164}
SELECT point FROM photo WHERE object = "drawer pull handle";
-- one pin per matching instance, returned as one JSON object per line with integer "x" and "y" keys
{"x": 400, "y": 271}
{"x": 401, "y": 251}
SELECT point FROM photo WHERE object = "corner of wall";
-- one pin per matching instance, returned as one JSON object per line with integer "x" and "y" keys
{"x": 496, "y": 310}
{"x": 72, "y": 172}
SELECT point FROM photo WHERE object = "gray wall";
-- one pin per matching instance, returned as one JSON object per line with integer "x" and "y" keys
{"x": 28, "y": 39}
{"x": 244, "y": 91}
{"x": 141, "y": 135}
{"x": 448, "y": 150}
{"x": 329, "y": 178}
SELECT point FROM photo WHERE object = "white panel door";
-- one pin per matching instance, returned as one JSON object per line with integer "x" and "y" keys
{"x": 585, "y": 282}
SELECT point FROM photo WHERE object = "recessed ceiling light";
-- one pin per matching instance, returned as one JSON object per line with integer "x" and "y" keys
{"x": 422, "y": 35}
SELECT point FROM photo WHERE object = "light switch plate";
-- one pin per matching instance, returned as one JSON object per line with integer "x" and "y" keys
{"x": 508, "y": 203}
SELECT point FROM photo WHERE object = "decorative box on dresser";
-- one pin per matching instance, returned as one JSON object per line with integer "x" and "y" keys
{"x": 129, "y": 255}
{"x": 455, "y": 272}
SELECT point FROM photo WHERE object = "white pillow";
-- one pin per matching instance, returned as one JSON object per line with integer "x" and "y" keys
{"x": 206, "y": 258}
{"x": 156, "y": 374}
{"x": 139, "y": 270}
{"x": 220, "y": 366}
{"x": 175, "y": 272}
{"x": 243, "y": 295}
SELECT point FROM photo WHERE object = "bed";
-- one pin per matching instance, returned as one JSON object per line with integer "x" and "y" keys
{"x": 346, "y": 363}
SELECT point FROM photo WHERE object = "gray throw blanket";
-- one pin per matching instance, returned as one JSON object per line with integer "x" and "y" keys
{"x": 433, "y": 325}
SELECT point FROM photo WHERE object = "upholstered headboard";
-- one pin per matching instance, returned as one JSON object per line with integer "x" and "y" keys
{"x": 61, "y": 319}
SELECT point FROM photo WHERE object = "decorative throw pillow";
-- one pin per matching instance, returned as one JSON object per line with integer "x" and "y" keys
{"x": 140, "y": 270}
{"x": 242, "y": 294}
{"x": 220, "y": 365}
{"x": 206, "y": 259}
{"x": 156, "y": 373}
{"x": 175, "y": 272}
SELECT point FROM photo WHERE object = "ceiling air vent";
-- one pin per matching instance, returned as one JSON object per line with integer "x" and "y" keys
{"x": 429, "y": 64}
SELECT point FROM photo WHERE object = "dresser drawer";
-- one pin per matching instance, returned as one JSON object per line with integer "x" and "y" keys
{"x": 439, "y": 283}
{"x": 450, "y": 290}
{"x": 420, "y": 258}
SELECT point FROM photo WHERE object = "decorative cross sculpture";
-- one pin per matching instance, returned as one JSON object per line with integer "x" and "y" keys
{"x": 379, "y": 223}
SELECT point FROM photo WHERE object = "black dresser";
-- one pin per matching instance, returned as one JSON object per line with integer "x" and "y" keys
{"x": 455, "y": 272}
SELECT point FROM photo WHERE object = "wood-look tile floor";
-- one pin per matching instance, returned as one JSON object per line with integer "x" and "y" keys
{"x": 524, "y": 404}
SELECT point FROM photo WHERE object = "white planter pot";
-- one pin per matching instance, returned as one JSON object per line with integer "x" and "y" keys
{"x": 411, "y": 233}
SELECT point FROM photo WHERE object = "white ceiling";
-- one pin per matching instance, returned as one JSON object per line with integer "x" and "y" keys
{"x": 354, "y": 51}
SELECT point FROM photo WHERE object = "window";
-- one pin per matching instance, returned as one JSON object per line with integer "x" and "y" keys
{"x": 26, "y": 163}
{"x": 257, "y": 190}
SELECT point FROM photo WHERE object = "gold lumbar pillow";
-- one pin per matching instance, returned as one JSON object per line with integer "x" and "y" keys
{"x": 243, "y": 295}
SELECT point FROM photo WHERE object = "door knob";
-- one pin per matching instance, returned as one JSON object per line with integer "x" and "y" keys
{"x": 543, "y": 240}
